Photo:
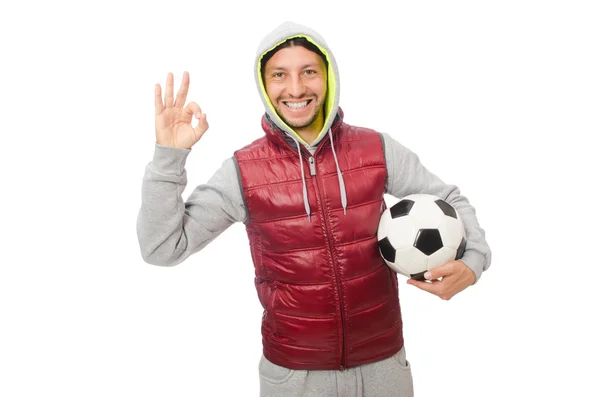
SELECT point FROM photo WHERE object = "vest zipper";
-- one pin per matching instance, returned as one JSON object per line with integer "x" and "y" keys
{"x": 311, "y": 162}
{"x": 313, "y": 171}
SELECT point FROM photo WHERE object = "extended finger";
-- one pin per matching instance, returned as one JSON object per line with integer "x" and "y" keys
{"x": 183, "y": 90}
{"x": 158, "y": 105}
{"x": 169, "y": 91}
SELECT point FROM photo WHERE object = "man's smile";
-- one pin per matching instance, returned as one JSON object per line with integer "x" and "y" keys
{"x": 297, "y": 105}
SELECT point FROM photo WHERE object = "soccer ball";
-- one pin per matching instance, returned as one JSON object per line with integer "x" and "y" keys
{"x": 419, "y": 233}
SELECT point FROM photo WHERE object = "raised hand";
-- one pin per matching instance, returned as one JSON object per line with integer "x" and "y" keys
{"x": 173, "y": 122}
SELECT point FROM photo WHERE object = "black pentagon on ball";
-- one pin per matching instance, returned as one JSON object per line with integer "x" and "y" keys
{"x": 387, "y": 251}
{"x": 401, "y": 208}
{"x": 461, "y": 249}
{"x": 428, "y": 241}
{"x": 446, "y": 208}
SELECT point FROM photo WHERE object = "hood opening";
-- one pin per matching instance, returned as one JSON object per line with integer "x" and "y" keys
{"x": 330, "y": 107}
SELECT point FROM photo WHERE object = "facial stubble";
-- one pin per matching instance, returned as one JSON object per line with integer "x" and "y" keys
{"x": 314, "y": 117}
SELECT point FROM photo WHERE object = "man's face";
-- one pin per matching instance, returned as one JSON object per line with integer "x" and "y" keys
{"x": 296, "y": 83}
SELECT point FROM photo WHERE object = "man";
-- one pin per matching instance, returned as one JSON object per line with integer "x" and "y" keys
{"x": 310, "y": 192}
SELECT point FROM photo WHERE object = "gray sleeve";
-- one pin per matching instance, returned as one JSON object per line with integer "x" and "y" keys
{"x": 406, "y": 175}
{"x": 169, "y": 229}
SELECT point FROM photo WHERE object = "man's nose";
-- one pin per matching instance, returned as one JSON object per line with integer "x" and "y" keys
{"x": 296, "y": 87}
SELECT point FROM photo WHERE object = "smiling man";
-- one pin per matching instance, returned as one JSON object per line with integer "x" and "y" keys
{"x": 310, "y": 193}
{"x": 295, "y": 79}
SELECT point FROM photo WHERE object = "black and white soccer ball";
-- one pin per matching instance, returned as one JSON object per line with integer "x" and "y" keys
{"x": 419, "y": 233}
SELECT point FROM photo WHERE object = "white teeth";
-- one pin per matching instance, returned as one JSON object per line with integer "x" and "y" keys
{"x": 296, "y": 105}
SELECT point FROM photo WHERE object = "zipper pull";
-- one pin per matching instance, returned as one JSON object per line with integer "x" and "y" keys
{"x": 311, "y": 162}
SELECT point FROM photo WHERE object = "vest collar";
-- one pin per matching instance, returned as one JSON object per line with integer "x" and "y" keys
{"x": 280, "y": 138}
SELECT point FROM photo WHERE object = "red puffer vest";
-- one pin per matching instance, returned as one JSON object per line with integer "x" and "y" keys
{"x": 329, "y": 299}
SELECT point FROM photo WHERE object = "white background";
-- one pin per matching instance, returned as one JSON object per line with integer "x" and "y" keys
{"x": 501, "y": 98}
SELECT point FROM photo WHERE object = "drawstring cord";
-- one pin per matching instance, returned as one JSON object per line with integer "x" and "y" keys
{"x": 343, "y": 196}
{"x": 304, "y": 192}
{"x": 340, "y": 177}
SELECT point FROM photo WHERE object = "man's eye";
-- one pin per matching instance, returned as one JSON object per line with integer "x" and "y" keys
{"x": 278, "y": 74}
{"x": 310, "y": 71}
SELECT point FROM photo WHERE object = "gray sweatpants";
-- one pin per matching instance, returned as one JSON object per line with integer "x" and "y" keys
{"x": 391, "y": 377}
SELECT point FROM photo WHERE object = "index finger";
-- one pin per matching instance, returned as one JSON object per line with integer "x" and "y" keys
{"x": 442, "y": 271}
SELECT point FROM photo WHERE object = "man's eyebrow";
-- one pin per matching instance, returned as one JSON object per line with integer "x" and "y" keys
{"x": 308, "y": 65}
{"x": 311, "y": 65}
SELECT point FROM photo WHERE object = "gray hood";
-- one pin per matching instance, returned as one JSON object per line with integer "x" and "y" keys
{"x": 283, "y": 32}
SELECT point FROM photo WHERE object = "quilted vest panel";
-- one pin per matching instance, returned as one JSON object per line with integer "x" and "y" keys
{"x": 329, "y": 299}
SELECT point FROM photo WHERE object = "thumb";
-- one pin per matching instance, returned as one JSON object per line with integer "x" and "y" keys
{"x": 202, "y": 125}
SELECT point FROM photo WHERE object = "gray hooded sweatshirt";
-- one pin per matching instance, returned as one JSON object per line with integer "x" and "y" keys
{"x": 170, "y": 229}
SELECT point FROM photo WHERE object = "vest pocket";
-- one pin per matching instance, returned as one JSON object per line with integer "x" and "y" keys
{"x": 271, "y": 309}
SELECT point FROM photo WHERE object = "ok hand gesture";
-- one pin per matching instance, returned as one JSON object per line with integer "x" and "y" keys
{"x": 173, "y": 122}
